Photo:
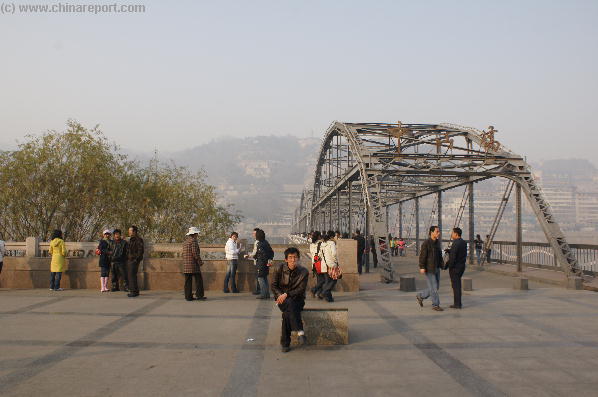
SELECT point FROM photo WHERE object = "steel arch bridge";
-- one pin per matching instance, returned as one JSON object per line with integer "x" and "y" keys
{"x": 364, "y": 168}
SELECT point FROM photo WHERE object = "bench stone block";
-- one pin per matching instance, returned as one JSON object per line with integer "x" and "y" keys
{"x": 325, "y": 326}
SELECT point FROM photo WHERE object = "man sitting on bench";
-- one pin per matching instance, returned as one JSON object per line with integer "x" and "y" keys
{"x": 289, "y": 281}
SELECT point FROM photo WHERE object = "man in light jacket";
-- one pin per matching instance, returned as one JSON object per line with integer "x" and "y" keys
{"x": 231, "y": 251}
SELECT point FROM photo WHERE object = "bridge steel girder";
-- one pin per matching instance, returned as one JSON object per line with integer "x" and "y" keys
{"x": 395, "y": 163}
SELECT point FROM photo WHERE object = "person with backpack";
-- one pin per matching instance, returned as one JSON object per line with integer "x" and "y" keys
{"x": 119, "y": 262}
{"x": 316, "y": 263}
{"x": 58, "y": 252}
{"x": 263, "y": 260}
{"x": 103, "y": 251}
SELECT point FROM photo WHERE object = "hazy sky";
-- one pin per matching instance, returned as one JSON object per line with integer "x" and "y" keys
{"x": 183, "y": 73}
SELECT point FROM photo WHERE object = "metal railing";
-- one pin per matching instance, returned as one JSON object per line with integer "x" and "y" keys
{"x": 534, "y": 254}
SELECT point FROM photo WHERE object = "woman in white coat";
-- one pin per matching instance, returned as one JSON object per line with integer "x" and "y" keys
{"x": 329, "y": 261}
{"x": 315, "y": 248}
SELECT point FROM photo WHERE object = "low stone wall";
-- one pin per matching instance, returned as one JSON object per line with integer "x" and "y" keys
{"x": 162, "y": 273}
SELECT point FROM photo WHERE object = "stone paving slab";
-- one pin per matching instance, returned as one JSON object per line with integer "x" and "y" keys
{"x": 504, "y": 342}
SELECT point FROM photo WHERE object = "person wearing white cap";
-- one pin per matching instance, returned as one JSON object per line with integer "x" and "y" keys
{"x": 191, "y": 265}
{"x": 103, "y": 251}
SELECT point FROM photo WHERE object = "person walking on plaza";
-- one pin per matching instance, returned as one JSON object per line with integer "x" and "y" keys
{"x": 329, "y": 262}
{"x": 456, "y": 265}
{"x": 263, "y": 259}
{"x": 479, "y": 244}
{"x": 289, "y": 281}
{"x": 430, "y": 263}
{"x": 135, "y": 251}
{"x": 119, "y": 262}
{"x": 103, "y": 251}
{"x": 392, "y": 244}
{"x": 58, "y": 252}
{"x": 315, "y": 249}
{"x": 231, "y": 250}
{"x": 401, "y": 246}
{"x": 191, "y": 266}
{"x": 360, "y": 250}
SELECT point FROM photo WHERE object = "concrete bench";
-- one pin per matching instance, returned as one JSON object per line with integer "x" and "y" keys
{"x": 407, "y": 283}
{"x": 467, "y": 284}
{"x": 326, "y": 326}
{"x": 520, "y": 283}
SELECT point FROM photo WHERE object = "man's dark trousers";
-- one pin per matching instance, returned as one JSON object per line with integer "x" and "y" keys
{"x": 119, "y": 272}
{"x": 291, "y": 318}
{"x": 133, "y": 268}
{"x": 189, "y": 285}
{"x": 456, "y": 274}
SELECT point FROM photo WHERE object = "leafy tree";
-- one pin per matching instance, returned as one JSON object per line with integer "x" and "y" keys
{"x": 79, "y": 182}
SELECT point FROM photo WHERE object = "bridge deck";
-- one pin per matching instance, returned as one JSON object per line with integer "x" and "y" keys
{"x": 505, "y": 342}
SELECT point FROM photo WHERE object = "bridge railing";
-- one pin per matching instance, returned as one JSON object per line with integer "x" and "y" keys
{"x": 534, "y": 254}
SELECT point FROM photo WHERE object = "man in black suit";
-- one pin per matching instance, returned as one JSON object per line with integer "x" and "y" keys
{"x": 456, "y": 265}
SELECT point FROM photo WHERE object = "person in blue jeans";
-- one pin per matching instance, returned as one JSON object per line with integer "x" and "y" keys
{"x": 232, "y": 257}
{"x": 430, "y": 263}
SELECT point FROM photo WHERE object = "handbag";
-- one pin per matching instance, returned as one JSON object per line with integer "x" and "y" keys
{"x": 335, "y": 273}
{"x": 317, "y": 260}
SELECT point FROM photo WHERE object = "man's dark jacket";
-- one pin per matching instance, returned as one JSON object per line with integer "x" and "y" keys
{"x": 135, "y": 252}
{"x": 292, "y": 282}
{"x": 360, "y": 244}
{"x": 458, "y": 254}
{"x": 263, "y": 254}
{"x": 430, "y": 256}
{"x": 119, "y": 251}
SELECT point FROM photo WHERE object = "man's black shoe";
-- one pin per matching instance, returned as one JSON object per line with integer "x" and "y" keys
{"x": 114, "y": 289}
{"x": 235, "y": 291}
{"x": 302, "y": 340}
{"x": 420, "y": 301}
{"x": 132, "y": 295}
{"x": 201, "y": 298}
{"x": 226, "y": 291}
{"x": 285, "y": 349}
{"x": 255, "y": 293}
{"x": 456, "y": 307}
{"x": 329, "y": 299}
{"x": 189, "y": 300}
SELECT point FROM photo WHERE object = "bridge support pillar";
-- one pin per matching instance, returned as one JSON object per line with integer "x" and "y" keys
{"x": 518, "y": 231}
{"x": 471, "y": 224}
{"x": 417, "y": 226}
{"x": 400, "y": 220}
{"x": 440, "y": 215}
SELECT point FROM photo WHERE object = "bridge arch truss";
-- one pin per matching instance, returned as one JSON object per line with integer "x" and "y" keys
{"x": 365, "y": 168}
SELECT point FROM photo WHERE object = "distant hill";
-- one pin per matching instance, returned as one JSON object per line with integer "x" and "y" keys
{"x": 262, "y": 176}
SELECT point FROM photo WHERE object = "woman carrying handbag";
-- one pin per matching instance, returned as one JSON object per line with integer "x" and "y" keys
{"x": 329, "y": 265}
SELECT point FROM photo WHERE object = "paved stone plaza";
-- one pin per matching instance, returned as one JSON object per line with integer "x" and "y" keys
{"x": 504, "y": 342}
